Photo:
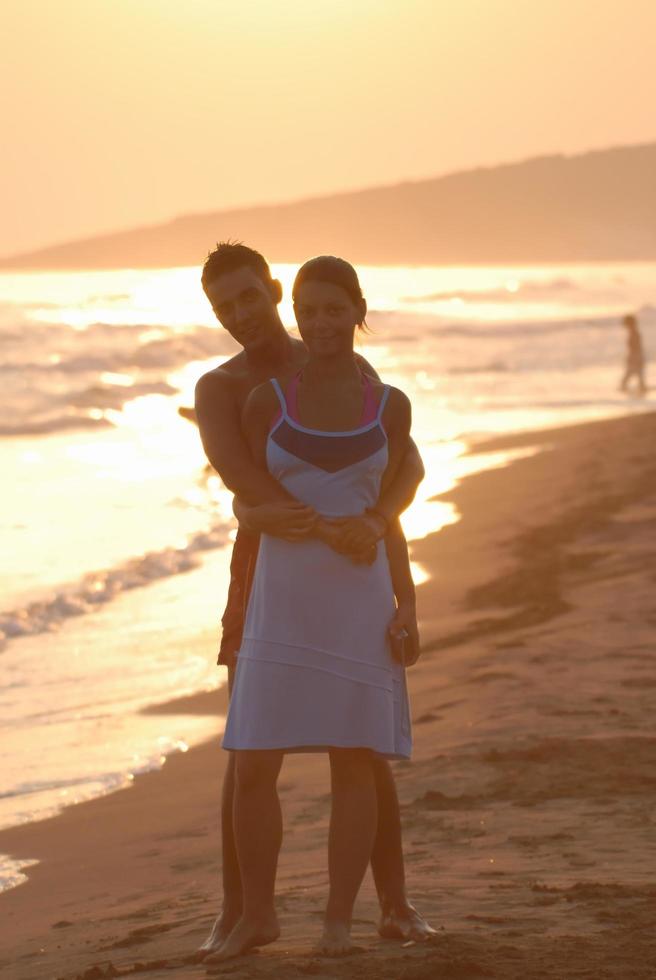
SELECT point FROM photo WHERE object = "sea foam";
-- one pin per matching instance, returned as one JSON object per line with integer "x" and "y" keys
{"x": 97, "y": 588}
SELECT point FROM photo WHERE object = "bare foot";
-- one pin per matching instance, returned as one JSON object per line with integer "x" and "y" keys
{"x": 223, "y": 926}
{"x": 247, "y": 934}
{"x": 405, "y": 923}
{"x": 336, "y": 939}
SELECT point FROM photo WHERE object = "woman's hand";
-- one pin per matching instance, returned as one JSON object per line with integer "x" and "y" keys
{"x": 404, "y": 634}
{"x": 290, "y": 520}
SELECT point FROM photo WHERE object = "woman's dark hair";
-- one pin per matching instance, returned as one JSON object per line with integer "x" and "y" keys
{"x": 330, "y": 268}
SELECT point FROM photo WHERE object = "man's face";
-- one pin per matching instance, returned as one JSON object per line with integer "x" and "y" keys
{"x": 245, "y": 306}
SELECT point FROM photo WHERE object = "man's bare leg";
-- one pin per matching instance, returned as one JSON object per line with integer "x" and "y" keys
{"x": 232, "y": 896}
{"x": 350, "y": 840}
{"x": 231, "y": 878}
{"x": 399, "y": 919}
{"x": 257, "y": 823}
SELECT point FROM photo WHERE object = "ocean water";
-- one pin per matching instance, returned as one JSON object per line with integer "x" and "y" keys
{"x": 114, "y": 536}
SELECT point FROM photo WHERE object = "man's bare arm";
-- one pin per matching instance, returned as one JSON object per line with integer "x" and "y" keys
{"x": 288, "y": 519}
{"x": 219, "y": 421}
{"x": 399, "y": 494}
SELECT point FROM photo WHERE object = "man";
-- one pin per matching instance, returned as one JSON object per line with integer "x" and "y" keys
{"x": 245, "y": 297}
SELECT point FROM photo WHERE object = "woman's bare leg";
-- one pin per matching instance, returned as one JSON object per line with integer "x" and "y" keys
{"x": 399, "y": 919}
{"x": 257, "y": 823}
{"x": 351, "y": 838}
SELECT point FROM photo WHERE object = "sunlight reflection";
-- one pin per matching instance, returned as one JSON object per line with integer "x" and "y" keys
{"x": 169, "y": 296}
{"x": 184, "y": 379}
{"x": 426, "y": 514}
{"x": 194, "y": 497}
{"x": 147, "y": 412}
{"x": 113, "y": 378}
{"x": 446, "y": 464}
{"x": 424, "y": 517}
{"x": 419, "y": 573}
{"x": 425, "y": 381}
{"x": 152, "y": 419}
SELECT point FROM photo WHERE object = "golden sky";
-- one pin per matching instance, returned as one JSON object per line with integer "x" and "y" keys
{"x": 116, "y": 113}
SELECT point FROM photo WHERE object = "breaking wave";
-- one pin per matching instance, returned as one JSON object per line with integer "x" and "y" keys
{"x": 98, "y": 588}
{"x": 56, "y": 378}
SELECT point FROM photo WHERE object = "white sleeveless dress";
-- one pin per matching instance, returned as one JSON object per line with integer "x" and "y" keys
{"x": 315, "y": 670}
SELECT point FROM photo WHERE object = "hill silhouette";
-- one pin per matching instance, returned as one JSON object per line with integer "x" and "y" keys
{"x": 590, "y": 207}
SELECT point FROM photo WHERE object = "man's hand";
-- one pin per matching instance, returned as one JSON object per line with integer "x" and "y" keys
{"x": 290, "y": 520}
{"x": 404, "y": 634}
{"x": 360, "y": 534}
{"x": 330, "y": 531}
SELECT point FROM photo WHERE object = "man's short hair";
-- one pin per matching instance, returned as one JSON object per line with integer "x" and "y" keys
{"x": 228, "y": 256}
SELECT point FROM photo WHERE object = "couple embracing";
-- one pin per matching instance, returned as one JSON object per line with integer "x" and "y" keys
{"x": 320, "y": 621}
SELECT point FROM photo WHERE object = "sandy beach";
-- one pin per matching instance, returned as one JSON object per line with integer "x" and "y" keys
{"x": 528, "y": 808}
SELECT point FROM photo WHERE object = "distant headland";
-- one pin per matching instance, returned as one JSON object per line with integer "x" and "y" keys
{"x": 597, "y": 206}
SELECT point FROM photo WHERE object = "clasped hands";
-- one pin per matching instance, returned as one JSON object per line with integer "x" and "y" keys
{"x": 355, "y": 537}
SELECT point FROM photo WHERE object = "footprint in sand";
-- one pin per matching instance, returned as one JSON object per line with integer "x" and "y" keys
{"x": 137, "y": 936}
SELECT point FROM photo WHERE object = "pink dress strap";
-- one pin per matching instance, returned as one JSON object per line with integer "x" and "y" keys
{"x": 370, "y": 405}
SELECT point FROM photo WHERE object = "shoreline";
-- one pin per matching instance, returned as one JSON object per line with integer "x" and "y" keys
{"x": 525, "y": 725}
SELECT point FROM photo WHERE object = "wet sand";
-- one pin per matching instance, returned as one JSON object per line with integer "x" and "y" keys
{"x": 529, "y": 808}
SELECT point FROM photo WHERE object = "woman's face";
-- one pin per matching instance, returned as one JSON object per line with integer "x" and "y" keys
{"x": 327, "y": 318}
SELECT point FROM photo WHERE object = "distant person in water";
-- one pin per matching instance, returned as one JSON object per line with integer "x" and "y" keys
{"x": 635, "y": 355}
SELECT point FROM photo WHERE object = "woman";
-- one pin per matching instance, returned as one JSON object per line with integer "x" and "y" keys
{"x": 315, "y": 669}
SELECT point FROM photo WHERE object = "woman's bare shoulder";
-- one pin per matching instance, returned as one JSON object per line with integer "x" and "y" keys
{"x": 397, "y": 400}
{"x": 398, "y": 410}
